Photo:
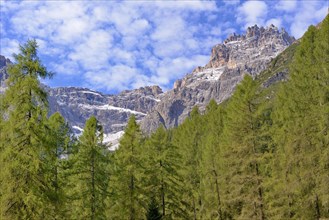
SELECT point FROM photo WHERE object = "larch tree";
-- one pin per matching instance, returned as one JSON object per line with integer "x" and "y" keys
{"x": 212, "y": 161}
{"x": 244, "y": 153}
{"x": 129, "y": 201}
{"x": 23, "y": 185}
{"x": 301, "y": 130}
{"x": 59, "y": 140}
{"x": 90, "y": 175}
{"x": 162, "y": 182}
{"x": 187, "y": 137}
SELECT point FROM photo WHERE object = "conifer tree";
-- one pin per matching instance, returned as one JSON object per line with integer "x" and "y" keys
{"x": 162, "y": 181}
{"x": 244, "y": 152}
{"x": 301, "y": 130}
{"x": 129, "y": 200}
{"x": 212, "y": 160}
{"x": 153, "y": 211}
{"x": 23, "y": 185}
{"x": 58, "y": 142}
{"x": 188, "y": 139}
{"x": 90, "y": 176}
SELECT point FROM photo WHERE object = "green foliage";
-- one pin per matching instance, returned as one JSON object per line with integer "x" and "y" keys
{"x": 129, "y": 201}
{"x": 301, "y": 130}
{"x": 162, "y": 181}
{"x": 153, "y": 211}
{"x": 245, "y": 151}
{"x": 58, "y": 139}
{"x": 23, "y": 185}
{"x": 90, "y": 176}
{"x": 188, "y": 140}
{"x": 212, "y": 164}
{"x": 262, "y": 154}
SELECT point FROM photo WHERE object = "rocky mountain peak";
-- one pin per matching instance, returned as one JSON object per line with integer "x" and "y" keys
{"x": 237, "y": 48}
{"x": 4, "y": 61}
{"x": 147, "y": 90}
{"x": 248, "y": 53}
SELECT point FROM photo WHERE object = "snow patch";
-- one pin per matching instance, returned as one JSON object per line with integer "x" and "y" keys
{"x": 157, "y": 100}
{"x": 113, "y": 139}
{"x": 110, "y": 107}
{"x": 77, "y": 128}
{"x": 94, "y": 93}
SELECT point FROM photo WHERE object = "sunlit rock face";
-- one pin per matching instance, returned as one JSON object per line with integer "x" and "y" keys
{"x": 237, "y": 55}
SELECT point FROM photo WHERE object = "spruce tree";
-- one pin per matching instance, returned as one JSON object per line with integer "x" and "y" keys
{"x": 23, "y": 185}
{"x": 90, "y": 175}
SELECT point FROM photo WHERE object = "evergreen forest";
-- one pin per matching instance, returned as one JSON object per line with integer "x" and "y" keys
{"x": 261, "y": 154}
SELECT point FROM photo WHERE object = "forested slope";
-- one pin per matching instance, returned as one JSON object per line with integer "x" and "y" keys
{"x": 262, "y": 154}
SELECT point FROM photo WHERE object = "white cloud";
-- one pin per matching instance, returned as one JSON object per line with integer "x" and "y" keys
{"x": 8, "y": 47}
{"x": 94, "y": 52}
{"x": 119, "y": 45}
{"x": 117, "y": 77}
{"x": 275, "y": 21}
{"x": 251, "y": 13}
{"x": 196, "y": 5}
{"x": 171, "y": 69}
{"x": 67, "y": 68}
{"x": 307, "y": 14}
{"x": 286, "y": 5}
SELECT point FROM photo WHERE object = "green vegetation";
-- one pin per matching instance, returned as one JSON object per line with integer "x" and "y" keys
{"x": 263, "y": 154}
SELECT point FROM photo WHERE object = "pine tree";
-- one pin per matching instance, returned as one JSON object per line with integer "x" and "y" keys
{"x": 129, "y": 200}
{"x": 90, "y": 177}
{"x": 23, "y": 185}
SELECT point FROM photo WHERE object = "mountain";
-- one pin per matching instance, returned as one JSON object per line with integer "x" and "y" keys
{"x": 249, "y": 53}
{"x": 113, "y": 111}
{"x": 78, "y": 104}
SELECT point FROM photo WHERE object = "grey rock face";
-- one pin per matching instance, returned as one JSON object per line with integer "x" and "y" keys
{"x": 78, "y": 104}
{"x": 238, "y": 55}
{"x": 4, "y": 63}
{"x": 113, "y": 111}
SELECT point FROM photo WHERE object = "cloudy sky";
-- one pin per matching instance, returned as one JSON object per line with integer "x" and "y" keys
{"x": 111, "y": 46}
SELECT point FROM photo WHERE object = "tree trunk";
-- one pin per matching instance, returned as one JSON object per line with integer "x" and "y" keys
{"x": 93, "y": 187}
{"x": 219, "y": 210}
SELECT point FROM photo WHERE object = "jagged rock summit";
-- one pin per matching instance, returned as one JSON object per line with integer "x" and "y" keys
{"x": 237, "y": 55}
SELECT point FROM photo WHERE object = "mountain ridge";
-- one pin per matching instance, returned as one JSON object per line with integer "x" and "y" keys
{"x": 249, "y": 53}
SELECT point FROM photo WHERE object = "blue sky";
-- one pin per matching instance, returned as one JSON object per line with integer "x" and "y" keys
{"x": 111, "y": 46}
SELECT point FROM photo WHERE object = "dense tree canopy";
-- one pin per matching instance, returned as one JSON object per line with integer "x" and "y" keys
{"x": 262, "y": 154}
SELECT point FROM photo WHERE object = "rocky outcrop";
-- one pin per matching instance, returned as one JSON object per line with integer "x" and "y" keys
{"x": 4, "y": 63}
{"x": 237, "y": 55}
{"x": 78, "y": 104}
{"x": 113, "y": 111}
